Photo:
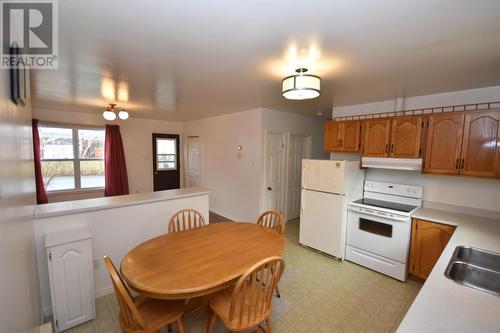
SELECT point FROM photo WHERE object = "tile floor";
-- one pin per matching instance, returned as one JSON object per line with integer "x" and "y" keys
{"x": 318, "y": 295}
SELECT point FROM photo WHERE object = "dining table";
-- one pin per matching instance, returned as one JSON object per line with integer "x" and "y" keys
{"x": 198, "y": 262}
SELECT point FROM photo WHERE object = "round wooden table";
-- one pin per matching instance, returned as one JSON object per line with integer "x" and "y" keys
{"x": 199, "y": 261}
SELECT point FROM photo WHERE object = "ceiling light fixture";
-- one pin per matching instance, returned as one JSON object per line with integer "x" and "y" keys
{"x": 110, "y": 112}
{"x": 301, "y": 86}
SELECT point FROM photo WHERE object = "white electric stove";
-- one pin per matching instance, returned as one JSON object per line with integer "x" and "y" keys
{"x": 379, "y": 227}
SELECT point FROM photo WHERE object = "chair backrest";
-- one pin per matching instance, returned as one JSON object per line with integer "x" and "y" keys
{"x": 129, "y": 314}
{"x": 272, "y": 219}
{"x": 186, "y": 219}
{"x": 252, "y": 296}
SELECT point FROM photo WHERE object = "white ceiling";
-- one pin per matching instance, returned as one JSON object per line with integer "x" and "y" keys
{"x": 182, "y": 60}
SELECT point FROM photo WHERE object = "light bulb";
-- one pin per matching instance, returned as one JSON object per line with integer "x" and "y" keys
{"x": 123, "y": 115}
{"x": 109, "y": 115}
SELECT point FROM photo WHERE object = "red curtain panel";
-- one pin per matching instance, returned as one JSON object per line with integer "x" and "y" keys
{"x": 41, "y": 195}
{"x": 115, "y": 169}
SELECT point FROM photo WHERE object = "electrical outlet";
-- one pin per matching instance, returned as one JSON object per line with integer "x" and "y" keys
{"x": 96, "y": 263}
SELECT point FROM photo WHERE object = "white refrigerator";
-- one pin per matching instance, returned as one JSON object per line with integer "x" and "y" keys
{"x": 327, "y": 187}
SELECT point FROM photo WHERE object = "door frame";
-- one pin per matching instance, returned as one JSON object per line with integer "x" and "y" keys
{"x": 154, "y": 136}
{"x": 284, "y": 167}
{"x": 289, "y": 134}
{"x": 267, "y": 132}
{"x": 186, "y": 162}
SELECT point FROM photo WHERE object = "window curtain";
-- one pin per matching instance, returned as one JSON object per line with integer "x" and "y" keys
{"x": 115, "y": 169}
{"x": 41, "y": 195}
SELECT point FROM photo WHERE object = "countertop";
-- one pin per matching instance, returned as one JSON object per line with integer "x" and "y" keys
{"x": 86, "y": 205}
{"x": 443, "y": 305}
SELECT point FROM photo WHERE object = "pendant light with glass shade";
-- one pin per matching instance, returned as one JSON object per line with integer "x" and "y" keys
{"x": 110, "y": 112}
{"x": 301, "y": 86}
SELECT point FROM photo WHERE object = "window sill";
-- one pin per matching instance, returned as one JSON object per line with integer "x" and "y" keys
{"x": 69, "y": 195}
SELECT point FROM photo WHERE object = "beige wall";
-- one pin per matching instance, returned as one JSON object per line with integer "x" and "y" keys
{"x": 137, "y": 143}
{"x": 471, "y": 192}
{"x": 19, "y": 292}
{"x": 234, "y": 181}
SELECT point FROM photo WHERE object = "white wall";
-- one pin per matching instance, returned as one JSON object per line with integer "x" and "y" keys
{"x": 470, "y": 192}
{"x": 115, "y": 232}
{"x": 232, "y": 178}
{"x": 295, "y": 123}
{"x": 19, "y": 291}
{"x": 137, "y": 143}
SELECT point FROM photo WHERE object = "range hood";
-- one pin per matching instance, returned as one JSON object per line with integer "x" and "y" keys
{"x": 392, "y": 163}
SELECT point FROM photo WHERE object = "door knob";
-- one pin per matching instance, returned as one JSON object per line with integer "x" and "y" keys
{"x": 269, "y": 188}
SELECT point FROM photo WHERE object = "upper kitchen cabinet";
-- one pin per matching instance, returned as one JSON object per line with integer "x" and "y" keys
{"x": 405, "y": 137}
{"x": 377, "y": 137}
{"x": 350, "y": 135}
{"x": 331, "y": 136}
{"x": 342, "y": 136}
{"x": 481, "y": 151}
{"x": 444, "y": 143}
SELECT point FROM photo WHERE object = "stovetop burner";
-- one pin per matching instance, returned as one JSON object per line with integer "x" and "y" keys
{"x": 386, "y": 204}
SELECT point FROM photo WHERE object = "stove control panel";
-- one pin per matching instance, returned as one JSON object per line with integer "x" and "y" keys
{"x": 410, "y": 191}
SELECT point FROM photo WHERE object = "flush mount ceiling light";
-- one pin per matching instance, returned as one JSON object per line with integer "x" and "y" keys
{"x": 301, "y": 86}
{"x": 110, "y": 113}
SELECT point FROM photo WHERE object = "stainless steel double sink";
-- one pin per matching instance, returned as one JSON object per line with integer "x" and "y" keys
{"x": 475, "y": 268}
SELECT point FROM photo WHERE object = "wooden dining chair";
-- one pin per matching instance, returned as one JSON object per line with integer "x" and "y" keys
{"x": 249, "y": 303}
{"x": 186, "y": 219}
{"x": 142, "y": 314}
{"x": 274, "y": 220}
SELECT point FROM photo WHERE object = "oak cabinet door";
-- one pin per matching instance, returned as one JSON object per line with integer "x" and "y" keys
{"x": 481, "y": 144}
{"x": 444, "y": 143}
{"x": 332, "y": 133}
{"x": 350, "y": 136}
{"x": 405, "y": 137}
{"x": 428, "y": 241}
{"x": 376, "y": 138}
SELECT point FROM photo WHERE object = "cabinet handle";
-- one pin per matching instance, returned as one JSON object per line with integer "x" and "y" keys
{"x": 341, "y": 142}
{"x": 386, "y": 148}
{"x": 392, "y": 148}
{"x": 457, "y": 164}
{"x": 463, "y": 164}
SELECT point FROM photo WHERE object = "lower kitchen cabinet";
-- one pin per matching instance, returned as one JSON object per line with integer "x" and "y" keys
{"x": 71, "y": 277}
{"x": 428, "y": 240}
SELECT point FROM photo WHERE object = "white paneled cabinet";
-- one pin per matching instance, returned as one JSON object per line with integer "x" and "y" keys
{"x": 69, "y": 254}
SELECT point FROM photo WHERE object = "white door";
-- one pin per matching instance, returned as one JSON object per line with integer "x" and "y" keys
{"x": 297, "y": 150}
{"x": 70, "y": 267}
{"x": 323, "y": 175}
{"x": 274, "y": 172}
{"x": 322, "y": 222}
{"x": 194, "y": 161}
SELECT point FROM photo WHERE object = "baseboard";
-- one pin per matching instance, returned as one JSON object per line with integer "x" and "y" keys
{"x": 45, "y": 328}
{"x": 46, "y": 312}
{"x": 104, "y": 292}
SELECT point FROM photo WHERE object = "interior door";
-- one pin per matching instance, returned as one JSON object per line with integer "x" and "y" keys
{"x": 298, "y": 150}
{"x": 444, "y": 143}
{"x": 194, "y": 161}
{"x": 377, "y": 135}
{"x": 274, "y": 171}
{"x": 405, "y": 137}
{"x": 166, "y": 164}
{"x": 481, "y": 146}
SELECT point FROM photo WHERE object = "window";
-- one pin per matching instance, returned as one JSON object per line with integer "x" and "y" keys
{"x": 165, "y": 154}
{"x": 72, "y": 157}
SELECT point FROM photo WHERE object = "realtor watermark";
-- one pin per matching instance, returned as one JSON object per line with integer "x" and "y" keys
{"x": 29, "y": 34}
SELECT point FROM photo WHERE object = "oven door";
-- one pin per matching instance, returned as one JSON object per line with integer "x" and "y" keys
{"x": 386, "y": 235}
